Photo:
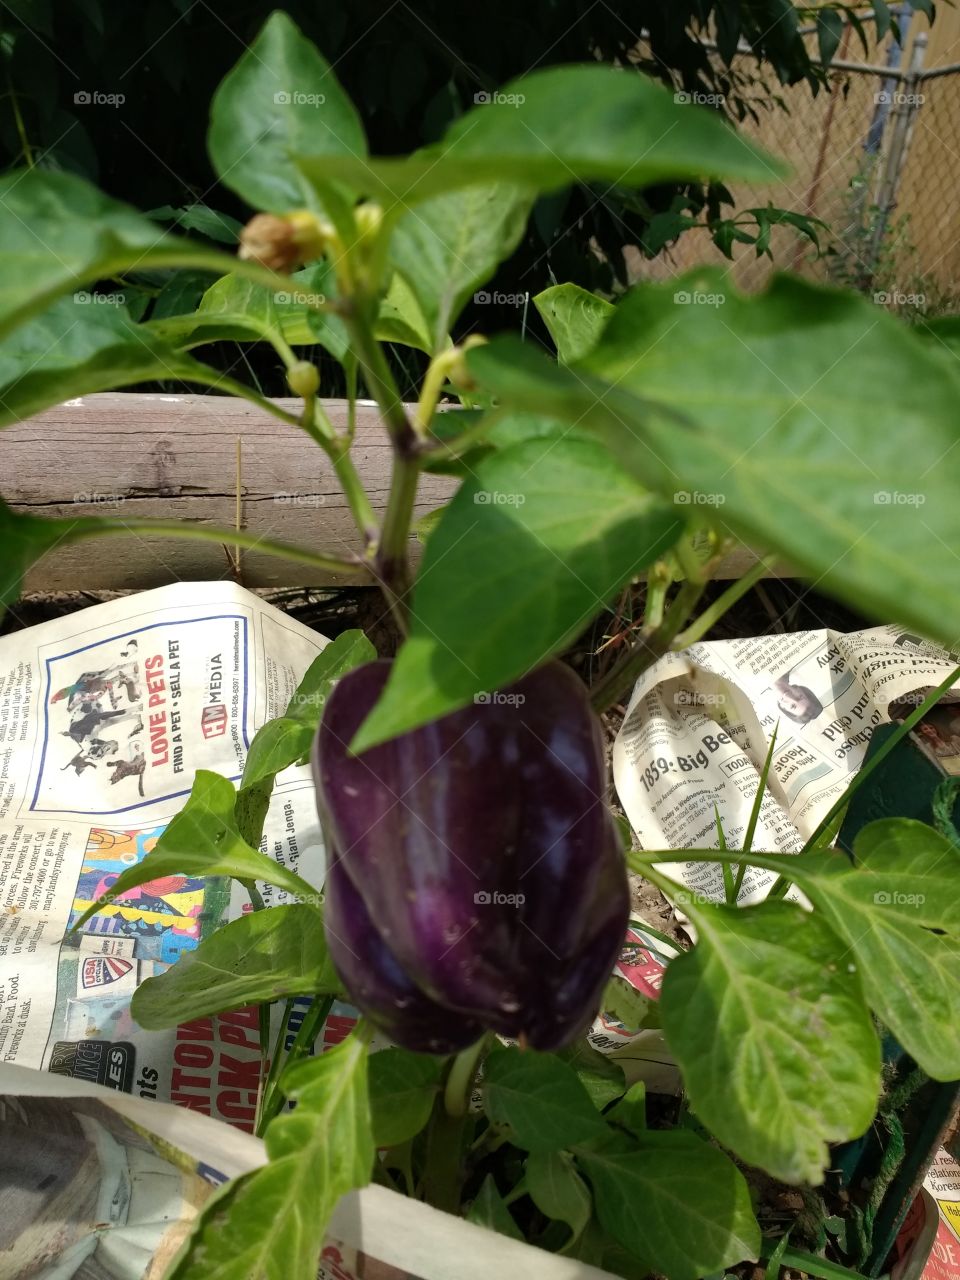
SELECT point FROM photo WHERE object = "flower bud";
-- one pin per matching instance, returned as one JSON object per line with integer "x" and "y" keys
{"x": 303, "y": 379}
{"x": 282, "y": 244}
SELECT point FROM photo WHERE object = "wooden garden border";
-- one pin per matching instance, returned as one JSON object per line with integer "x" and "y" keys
{"x": 175, "y": 457}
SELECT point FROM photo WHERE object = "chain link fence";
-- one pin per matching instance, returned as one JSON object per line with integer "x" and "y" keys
{"x": 877, "y": 158}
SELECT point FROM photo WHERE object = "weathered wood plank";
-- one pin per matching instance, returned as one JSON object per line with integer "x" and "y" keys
{"x": 174, "y": 457}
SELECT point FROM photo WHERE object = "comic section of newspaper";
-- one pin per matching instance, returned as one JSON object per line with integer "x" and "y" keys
{"x": 699, "y": 724}
{"x": 105, "y": 716}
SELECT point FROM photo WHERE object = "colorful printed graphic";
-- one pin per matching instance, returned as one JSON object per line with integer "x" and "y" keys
{"x": 165, "y": 917}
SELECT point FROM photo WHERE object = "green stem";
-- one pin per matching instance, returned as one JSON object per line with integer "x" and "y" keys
{"x": 363, "y": 513}
{"x": 443, "y": 1169}
{"x": 649, "y": 648}
{"x": 391, "y": 565}
{"x": 459, "y": 1086}
{"x": 89, "y": 527}
{"x": 307, "y": 1032}
{"x": 25, "y": 146}
{"x": 715, "y": 611}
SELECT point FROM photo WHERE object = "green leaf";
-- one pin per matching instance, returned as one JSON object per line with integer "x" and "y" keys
{"x": 830, "y": 25}
{"x": 535, "y": 542}
{"x": 539, "y": 1099}
{"x": 904, "y": 883}
{"x": 79, "y": 346}
{"x": 286, "y": 740}
{"x": 25, "y": 539}
{"x": 672, "y": 1200}
{"x": 448, "y": 245}
{"x": 557, "y": 1190}
{"x": 602, "y": 1077}
{"x": 350, "y": 649}
{"x": 575, "y": 318}
{"x": 58, "y": 233}
{"x": 403, "y": 1087}
{"x": 203, "y": 840}
{"x": 254, "y": 960}
{"x": 555, "y": 127}
{"x": 271, "y": 1223}
{"x": 281, "y": 98}
{"x": 490, "y": 1210}
{"x": 630, "y": 1113}
{"x": 202, "y": 219}
{"x": 767, "y": 1021}
{"x": 401, "y": 319}
{"x": 786, "y": 414}
{"x": 636, "y": 1011}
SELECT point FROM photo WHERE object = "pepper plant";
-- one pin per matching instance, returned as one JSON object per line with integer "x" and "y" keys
{"x": 685, "y": 417}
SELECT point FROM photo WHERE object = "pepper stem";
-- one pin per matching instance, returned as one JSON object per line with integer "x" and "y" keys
{"x": 456, "y": 1095}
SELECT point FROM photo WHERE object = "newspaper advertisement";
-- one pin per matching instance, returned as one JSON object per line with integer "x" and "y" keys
{"x": 105, "y": 716}
{"x": 699, "y": 724}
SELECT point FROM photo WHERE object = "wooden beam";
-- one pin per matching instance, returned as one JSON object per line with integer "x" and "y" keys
{"x": 175, "y": 457}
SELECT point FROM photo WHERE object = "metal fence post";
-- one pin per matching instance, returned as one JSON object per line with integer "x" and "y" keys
{"x": 906, "y": 106}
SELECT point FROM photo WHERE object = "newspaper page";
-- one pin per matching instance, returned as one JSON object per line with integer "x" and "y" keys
{"x": 99, "y": 1184}
{"x": 105, "y": 715}
{"x": 699, "y": 725}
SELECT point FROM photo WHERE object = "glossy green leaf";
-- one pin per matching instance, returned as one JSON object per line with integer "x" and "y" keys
{"x": 449, "y": 245}
{"x": 557, "y": 1190}
{"x": 602, "y": 1077}
{"x": 490, "y": 1210}
{"x": 674, "y": 1201}
{"x": 403, "y": 1087}
{"x": 783, "y": 417}
{"x": 767, "y": 1021}
{"x": 534, "y": 543}
{"x": 575, "y": 317}
{"x": 81, "y": 345}
{"x": 555, "y": 127}
{"x": 271, "y": 1223}
{"x": 903, "y": 884}
{"x": 630, "y": 1113}
{"x": 203, "y": 840}
{"x": 281, "y": 98}
{"x": 539, "y": 1098}
{"x": 253, "y": 960}
{"x": 59, "y": 233}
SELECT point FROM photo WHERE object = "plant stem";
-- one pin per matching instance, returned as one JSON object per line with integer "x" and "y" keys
{"x": 391, "y": 566}
{"x": 459, "y": 1086}
{"x": 715, "y": 611}
{"x": 307, "y": 1032}
{"x": 443, "y": 1167}
{"x": 361, "y": 509}
{"x": 651, "y": 646}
